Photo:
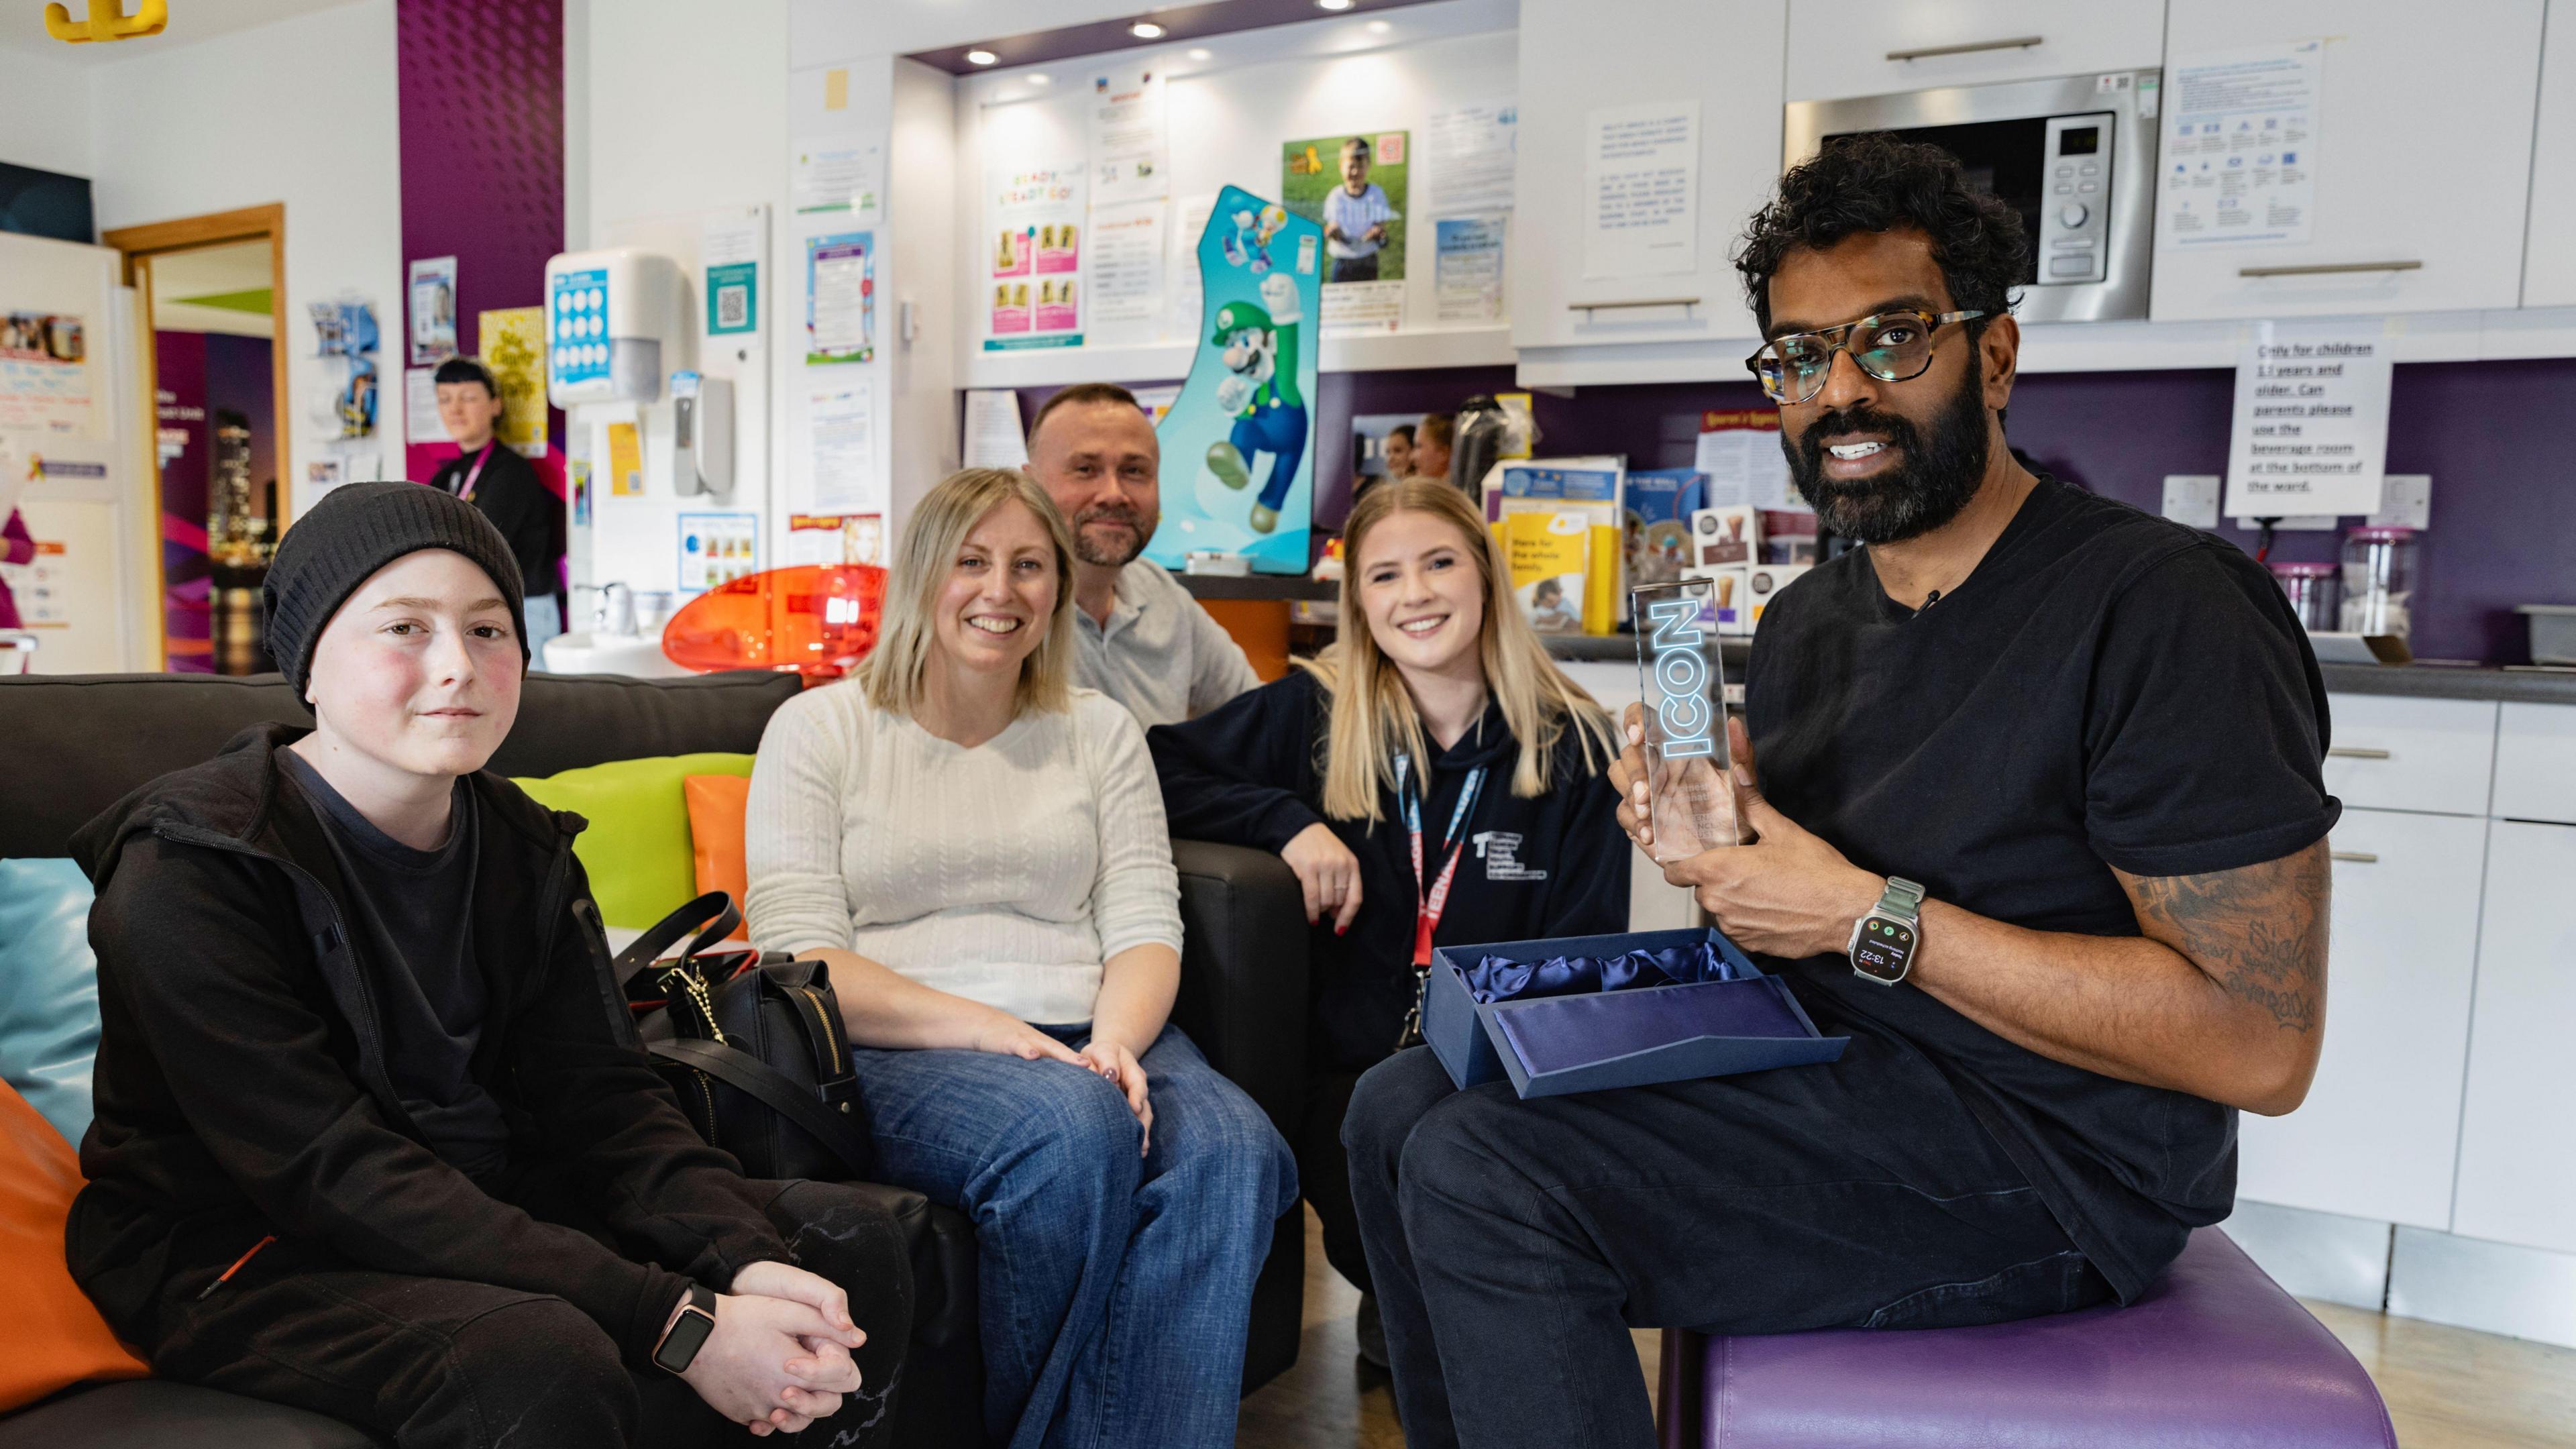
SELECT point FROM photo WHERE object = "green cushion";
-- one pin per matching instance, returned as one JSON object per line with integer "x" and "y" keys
{"x": 637, "y": 849}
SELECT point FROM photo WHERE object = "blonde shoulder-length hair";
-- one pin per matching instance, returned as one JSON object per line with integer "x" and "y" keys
{"x": 1373, "y": 718}
{"x": 892, "y": 672}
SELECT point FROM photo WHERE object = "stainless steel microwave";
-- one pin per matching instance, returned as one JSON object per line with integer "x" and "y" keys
{"x": 2076, "y": 157}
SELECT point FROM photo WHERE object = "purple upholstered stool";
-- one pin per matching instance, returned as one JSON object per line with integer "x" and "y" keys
{"x": 2215, "y": 1356}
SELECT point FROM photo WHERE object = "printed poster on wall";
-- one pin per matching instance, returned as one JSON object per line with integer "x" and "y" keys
{"x": 433, "y": 310}
{"x": 44, "y": 373}
{"x": 1125, "y": 272}
{"x": 1468, "y": 270}
{"x": 1471, "y": 151}
{"x": 512, "y": 342}
{"x": 840, "y": 298}
{"x": 1355, "y": 187}
{"x": 2240, "y": 147}
{"x": 1034, "y": 234}
{"x": 717, "y": 548}
{"x": 1131, "y": 157}
{"x": 837, "y": 174}
{"x": 1641, "y": 190}
{"x": 2311, "y": 423}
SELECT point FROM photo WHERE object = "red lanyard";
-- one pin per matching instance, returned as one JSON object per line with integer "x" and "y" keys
{"x": 1430, "y": 903}
{"x": 465, "y": 490}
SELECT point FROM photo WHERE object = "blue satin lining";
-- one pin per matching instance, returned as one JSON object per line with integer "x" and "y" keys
{"x": 1498, "y": 979}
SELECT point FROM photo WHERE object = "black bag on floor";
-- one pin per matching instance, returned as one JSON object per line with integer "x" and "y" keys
{"x": 751, "y": 1042}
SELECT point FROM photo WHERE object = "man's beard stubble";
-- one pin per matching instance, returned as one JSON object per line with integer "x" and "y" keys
{"x": 1929, "y": 486}
{"x": 1109, "y": 557}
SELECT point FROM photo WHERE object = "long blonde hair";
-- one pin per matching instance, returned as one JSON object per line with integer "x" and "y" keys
{"x": 892, "y": 672}
{"x": 1373, "y": 718}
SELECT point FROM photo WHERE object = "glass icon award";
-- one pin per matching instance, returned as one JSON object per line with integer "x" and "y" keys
{"x": 1690, "y": 789}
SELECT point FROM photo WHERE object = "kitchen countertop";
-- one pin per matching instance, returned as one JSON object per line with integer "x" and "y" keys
{"x": 2425, "y": 681}
{"x": 2441, "y": 681}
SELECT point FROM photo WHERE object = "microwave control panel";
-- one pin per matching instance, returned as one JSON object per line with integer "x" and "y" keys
{"x": 2075, "y": 200}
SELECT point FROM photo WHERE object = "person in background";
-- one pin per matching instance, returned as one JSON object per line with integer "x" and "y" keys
{"x": 1443, "y": 713}
{"x": 1355, "y": 217}
{"x": 369, "y": 1139}
{"x": 977, "y": 849}
{"x": 1143, "y": 641}
{"x": 1398, "y": 453}
{"x": 1431, "y": 446}
{"x": 491, "y": 475}
{"x": 2067, "y": 938}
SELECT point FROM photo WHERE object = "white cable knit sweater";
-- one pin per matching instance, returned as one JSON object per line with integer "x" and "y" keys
{"x": 1005, "y": 874}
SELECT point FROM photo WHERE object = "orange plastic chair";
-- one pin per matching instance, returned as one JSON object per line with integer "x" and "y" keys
{"x": 818, "y": 620}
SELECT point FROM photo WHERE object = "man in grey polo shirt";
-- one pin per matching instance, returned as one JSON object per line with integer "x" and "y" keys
{"x": 1145, "y": 642}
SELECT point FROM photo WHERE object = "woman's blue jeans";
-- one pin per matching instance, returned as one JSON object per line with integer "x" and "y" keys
{"x": 1115, "y": 1288}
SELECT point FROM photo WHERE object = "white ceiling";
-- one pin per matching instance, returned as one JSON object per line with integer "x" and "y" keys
{"x": 22, "y": 25}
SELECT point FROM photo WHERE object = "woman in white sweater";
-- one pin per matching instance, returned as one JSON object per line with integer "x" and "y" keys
{"x": 977, "y": 849}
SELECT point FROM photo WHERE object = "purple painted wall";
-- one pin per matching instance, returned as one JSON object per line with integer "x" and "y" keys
{"x": 481, "y": 109}
{"x": 2504, "y": 494}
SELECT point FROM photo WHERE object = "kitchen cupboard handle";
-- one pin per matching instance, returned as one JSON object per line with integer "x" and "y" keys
{"x": 1591, "y": 307}
{"x": 2355, "y": 752}
{"x": 2357, "y": 857}
{"x": 2320, "y": 269}
{"x": 2018, "y": 42}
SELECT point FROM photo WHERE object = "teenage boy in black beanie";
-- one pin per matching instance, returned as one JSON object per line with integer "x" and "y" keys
{"x": 371, "y": 1139}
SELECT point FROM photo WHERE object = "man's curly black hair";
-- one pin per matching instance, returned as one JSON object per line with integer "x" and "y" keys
{"x": 1873, "y": 183}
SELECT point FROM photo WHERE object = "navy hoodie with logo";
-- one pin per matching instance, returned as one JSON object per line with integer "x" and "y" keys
{"x": 1252, "y": 773}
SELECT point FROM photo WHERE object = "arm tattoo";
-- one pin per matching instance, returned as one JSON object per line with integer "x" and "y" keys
{"x": 2259, "y": 932}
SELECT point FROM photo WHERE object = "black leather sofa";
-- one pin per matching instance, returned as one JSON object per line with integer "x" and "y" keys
{"x": 72, "y": 745}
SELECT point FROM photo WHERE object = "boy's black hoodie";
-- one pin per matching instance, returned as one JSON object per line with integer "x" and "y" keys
{"x": 242, "y": 1088}
{"x": 1251, "y": 773}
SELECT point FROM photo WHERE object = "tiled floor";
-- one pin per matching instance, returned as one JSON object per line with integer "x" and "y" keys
{"x": 2447, "y": 1388}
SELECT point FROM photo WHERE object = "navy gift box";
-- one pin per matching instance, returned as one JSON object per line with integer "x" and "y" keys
{"x": 1746, "y": 1021}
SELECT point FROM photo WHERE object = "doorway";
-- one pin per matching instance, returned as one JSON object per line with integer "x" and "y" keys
{"x": 210, "y": 298}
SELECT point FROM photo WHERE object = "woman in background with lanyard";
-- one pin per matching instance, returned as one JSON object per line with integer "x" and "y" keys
{"x": 1438, "y": 703}
{"x": 491, "y": 475}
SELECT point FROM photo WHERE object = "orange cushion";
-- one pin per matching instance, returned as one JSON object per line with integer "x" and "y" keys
{"x": 50, "y": 1336}
{"x": 715, "y": 835}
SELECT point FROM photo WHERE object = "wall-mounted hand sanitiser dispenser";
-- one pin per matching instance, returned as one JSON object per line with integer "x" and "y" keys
{"x": 614, "y": 325}
{"x": 701, "y": 434}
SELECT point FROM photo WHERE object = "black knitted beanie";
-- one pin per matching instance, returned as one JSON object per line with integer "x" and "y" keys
{"x": 355, "y": 530}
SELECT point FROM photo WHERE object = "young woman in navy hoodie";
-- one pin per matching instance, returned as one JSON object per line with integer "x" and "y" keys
{"x": 1433, "y": 779}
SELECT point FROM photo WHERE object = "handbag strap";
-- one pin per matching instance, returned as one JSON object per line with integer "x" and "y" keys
{"x": 648, "y": 948}
{"x": 773, "y": 1089}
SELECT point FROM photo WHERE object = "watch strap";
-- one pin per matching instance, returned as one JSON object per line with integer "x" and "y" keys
{"x": 1902, "y": 898}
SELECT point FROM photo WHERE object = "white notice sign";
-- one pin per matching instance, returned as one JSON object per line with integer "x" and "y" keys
{"x": 2311, "y": 433}
{"x": 2240, "y": 147}
{"x": 1641, "y": 190}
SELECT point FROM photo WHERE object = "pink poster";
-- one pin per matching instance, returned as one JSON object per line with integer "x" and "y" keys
{"x": 1011, "y": 306}
{"x": 1011, "y": 249}
{"x": 1056, "y": 312}
{"x": 1059, "y": 247}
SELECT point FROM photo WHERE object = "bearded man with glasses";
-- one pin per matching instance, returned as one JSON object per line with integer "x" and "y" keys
{"x": 2041, "y": 830}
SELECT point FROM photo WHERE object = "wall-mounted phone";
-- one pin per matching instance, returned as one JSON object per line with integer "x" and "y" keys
{"x": 701, "y": 434}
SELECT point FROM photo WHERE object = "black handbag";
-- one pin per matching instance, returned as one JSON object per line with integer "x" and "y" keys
{"x": 751, "y": 1043}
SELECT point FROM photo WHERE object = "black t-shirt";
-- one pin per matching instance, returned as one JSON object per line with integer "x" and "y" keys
{"x": 418, "y": 909}
{"x": 2106, "y": 689}
{"x": 510, "y": 493}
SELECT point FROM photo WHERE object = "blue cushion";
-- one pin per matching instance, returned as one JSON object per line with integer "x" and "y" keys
{"x": 48, "y": 989}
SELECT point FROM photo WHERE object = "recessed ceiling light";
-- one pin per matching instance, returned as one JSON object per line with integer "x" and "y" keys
{"x": 1201, "y": 52}
{"x": 1040, "y": 78}
{"x": 1334, "y": 4}
{"x": 1379, "y": 27}
{"x": 1148, "y": 30}
{"x": 981, "y": 57}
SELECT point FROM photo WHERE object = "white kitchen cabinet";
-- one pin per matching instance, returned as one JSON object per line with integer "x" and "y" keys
{"x": 2422, "y": 155}
{"x": 1882, "y": 47}
{"x": 1578, "y": 56}
{"x": 2396, "y": 752}
{"x": 2549, "y": 252}
{"x": 2536, "y": 763}
{"x": 2517, "y": 1177}
{"x": 2380, "y": 1129}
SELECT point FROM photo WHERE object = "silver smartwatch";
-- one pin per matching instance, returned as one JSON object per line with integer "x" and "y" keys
{"x": 1884, "y": 941}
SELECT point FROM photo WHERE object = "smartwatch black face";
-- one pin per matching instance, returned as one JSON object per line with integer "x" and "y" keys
{"x": 1884, "y": 950}
{"x": 679, "y": 1347}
